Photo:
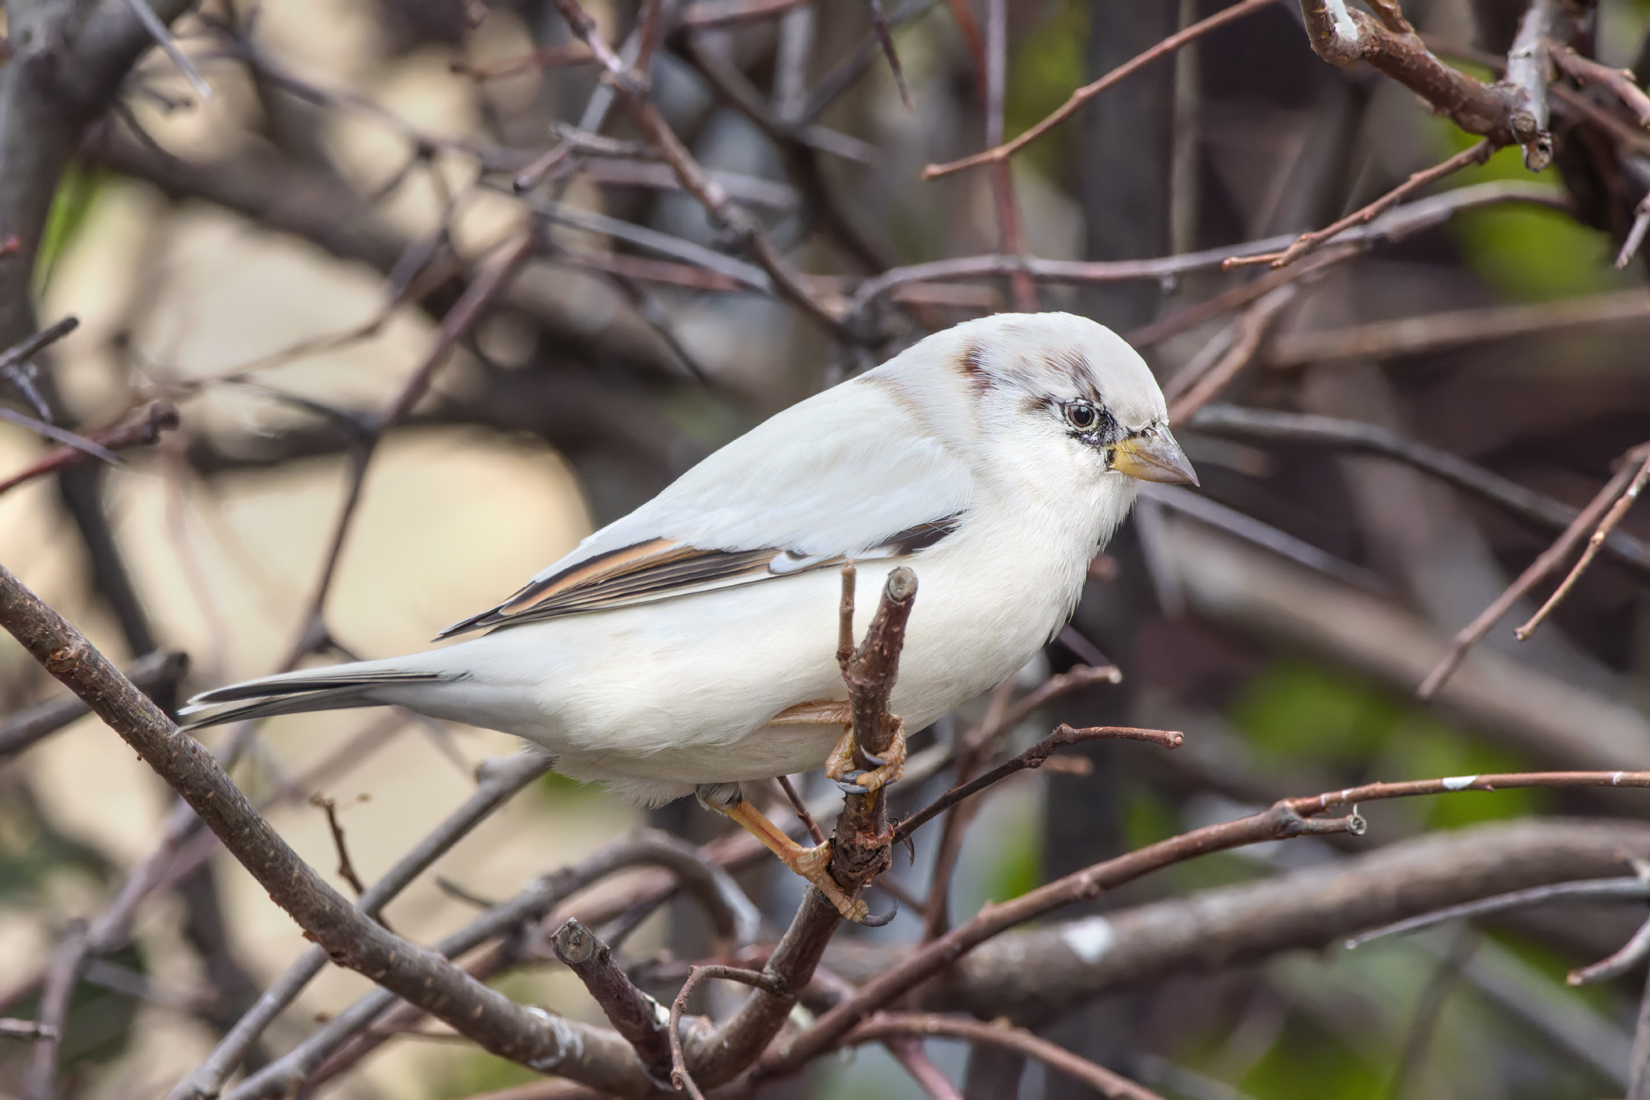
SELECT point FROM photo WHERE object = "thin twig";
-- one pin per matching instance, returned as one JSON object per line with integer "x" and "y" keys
{"x": 801, "y": 809}
{"x": 1606, "y": 525}
{"x": 885, "y": 1025}
{"x": 1537, "y": 509}
{"x": 1064, "y": 736}
{"x": 346, "y": 869}
{"x": 1548, "y": 561}
{"x": 1632, "y": 953}
{"x": 879, "y": 23}
{"x": 907, "y": 1051}
{"x": 1584, "y": 70}
{"x": 679, "y": 1075}
{"x": 1581, "y": 890}
{"x": 55, "y": 1002}
{"x": 1307, "y": 242}
{"x": 1249, "y": 331}
{"x": 1082, "y": 95}
{"x": 163, "y": 38}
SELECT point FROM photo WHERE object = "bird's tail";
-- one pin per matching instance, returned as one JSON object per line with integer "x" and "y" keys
{"x": 353, "y": 685}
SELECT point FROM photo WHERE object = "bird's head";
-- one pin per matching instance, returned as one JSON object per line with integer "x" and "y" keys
{"x": 1052, "y": 390}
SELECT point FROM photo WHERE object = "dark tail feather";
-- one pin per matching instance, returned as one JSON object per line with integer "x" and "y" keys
{"x": 294, "y": 693}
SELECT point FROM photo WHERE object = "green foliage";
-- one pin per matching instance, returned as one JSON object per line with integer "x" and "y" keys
{"x": 77, "y": 193}
{"x": 1529, "y": 253}
{"x": 1298, "y": 711}
{"x": 1295, "y": 711}
{"x": 99, "y": 1025}
{"x": 1018, "y": 868}
{"x": 1308, "y": 1060}
{"x": 1045, "y": 69}
{"x": 559, "y": 790}
{"x": 476, "y": 1071}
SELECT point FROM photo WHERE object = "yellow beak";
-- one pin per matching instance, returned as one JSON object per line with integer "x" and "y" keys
{"x": 1153, "y": 455}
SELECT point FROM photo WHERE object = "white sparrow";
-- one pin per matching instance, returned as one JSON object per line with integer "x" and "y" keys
{"x": 692, "y": 644}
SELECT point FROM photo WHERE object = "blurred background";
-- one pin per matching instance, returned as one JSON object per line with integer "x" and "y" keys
{"x": 275, "y": 260}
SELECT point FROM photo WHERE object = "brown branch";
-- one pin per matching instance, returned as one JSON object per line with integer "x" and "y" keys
{"x": 859, "y": 846}
{"x": 1343, "y": 35}
{"x": 1397, "y": 224}
{"x": 1279, "y": 822}
{"x": 1549, "y": 560}
{"x": 1608, "y": 524}
{"x": 351, "y": 939}
{"x": 497, "y": 782}
{"x": 1632, "y": 953}
{"x": 157, "y": 672}
{"x": 1036, "y": 975}
{"x": 1082, "y": 95}
{"x": 633, "y": 1014}
{"x": 343, "y": 1041}
{"x": 1189, "y": 317}
{"x": 1584, "y": 70}
{"x": 1359, "y": 436}
{"x": 1064, "y": 736}
{"x": 1204, "y": 384}
{"x": 55, "y": 1000}
{"x": 760, "y": 979}
{"x": 888, "y": 1025}
{"x": 741, "y": 223}
{"x": 159, "y": 417}
{"x": 1308, "y": 242}
{"x": 801, "y": 809}
{"x": 907, "y": 1051}
{"x": 346, "y": 869}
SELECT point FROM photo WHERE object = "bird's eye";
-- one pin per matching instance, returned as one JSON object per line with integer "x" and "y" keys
{"x": 1081, "y": 415}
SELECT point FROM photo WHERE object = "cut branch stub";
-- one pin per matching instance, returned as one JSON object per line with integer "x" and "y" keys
{"x": 633, "y": 1014}
{"x": 1343, "y": 35}
{"x": 873, "y": 669}
{"x": 861, "y": 847}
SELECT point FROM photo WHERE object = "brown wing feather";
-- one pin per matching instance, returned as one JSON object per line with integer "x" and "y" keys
{"x": 630, "y": 575}
{"x": 663, "y": 567}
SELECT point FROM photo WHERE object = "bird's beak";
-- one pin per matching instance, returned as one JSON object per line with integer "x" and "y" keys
{"x": 1152, "y": 454}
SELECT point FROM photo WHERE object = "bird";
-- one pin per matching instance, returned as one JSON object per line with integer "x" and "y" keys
{"x": 690, "y": 646}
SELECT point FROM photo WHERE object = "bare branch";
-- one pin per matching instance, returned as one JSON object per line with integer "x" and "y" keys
{"x": 1082, "y": 95}
{"x": 1356, "y": 435}
{"x": 1063, "y": 737}
{"x": 886, "y": 1025}
{"x": 1307, "y": 242}
{"x": 1343, "y": 35}
{"x": 1606, "y": 525}
{"x": 157, "y": 671}
{"x": 644, "y": 1022}
{"x": 1584, "y": 70}
{"x": 1549, "y": 560}
{"x": 55, "y": 998}
{"x": 158, "y": 417}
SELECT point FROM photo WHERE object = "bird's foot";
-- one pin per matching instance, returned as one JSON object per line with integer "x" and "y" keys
{"x": 885, "y": 769}
{"x": 814, "y": 864}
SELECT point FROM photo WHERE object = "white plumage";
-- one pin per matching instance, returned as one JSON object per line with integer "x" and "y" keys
{"x": 994, "y": 459}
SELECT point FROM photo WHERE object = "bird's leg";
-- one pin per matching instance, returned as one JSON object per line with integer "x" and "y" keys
{"x": 839, "y": 766}
{"x": 812, "y": 864}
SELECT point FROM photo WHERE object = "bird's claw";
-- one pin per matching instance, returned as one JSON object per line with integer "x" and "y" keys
{"x": 886, "y": 768}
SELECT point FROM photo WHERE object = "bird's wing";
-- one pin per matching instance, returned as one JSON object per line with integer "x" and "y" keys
{"x": 846, "y": 475}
